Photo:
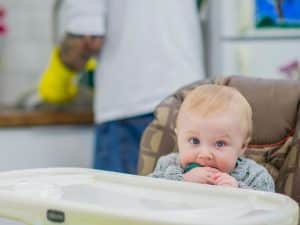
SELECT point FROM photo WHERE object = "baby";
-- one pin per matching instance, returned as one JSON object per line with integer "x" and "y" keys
{"x": 213, "y": 128}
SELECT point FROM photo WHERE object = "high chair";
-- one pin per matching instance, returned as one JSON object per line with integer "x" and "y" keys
{"x": 276, "y": 128}
{"x": 79, "y": 196}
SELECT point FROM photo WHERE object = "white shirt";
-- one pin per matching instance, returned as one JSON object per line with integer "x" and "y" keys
{"x": 151, "y": 48}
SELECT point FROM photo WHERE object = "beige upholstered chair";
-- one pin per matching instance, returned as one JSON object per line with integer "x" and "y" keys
{"x": 276, "y": 131}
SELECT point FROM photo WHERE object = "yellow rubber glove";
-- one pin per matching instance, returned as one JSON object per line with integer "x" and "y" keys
{"x": 58, "y": 83}
{"x": 91, "y": 64}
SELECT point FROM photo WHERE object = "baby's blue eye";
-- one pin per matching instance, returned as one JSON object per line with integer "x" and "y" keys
{"x": 194, "y": 141}
{"x": 220, "y": 144}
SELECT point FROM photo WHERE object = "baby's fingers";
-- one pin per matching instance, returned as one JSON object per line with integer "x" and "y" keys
{"x": 210, "y": 180}
{"x": 225, "y": 181}
{"x": 211, "y": 170}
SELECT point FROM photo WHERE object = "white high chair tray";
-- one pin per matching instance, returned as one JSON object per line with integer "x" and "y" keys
{"x": 74, "y": 196}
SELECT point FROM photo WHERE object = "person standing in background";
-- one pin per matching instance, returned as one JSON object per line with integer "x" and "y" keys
{"x": 148, "y": 49}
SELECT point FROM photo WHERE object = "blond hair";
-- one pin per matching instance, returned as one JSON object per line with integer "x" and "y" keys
{"x": 210, "y": 99}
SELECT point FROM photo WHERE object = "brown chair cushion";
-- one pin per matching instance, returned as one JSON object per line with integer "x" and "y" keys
{"x": 276, "y": 128}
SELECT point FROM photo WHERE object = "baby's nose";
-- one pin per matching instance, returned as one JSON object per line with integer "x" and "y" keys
{"x": 205, "y": 154}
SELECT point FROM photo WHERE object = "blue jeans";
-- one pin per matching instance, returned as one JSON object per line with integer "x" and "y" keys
{"x": 117, "y": 143}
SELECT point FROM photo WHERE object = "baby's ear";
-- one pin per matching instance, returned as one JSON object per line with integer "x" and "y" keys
{"x": 176, "y": 131}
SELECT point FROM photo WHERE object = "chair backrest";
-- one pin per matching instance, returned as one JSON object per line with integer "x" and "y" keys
{"x": 276, "y": 128}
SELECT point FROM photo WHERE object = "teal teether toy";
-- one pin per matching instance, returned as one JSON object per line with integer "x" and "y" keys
{"x": 190, "y": 166}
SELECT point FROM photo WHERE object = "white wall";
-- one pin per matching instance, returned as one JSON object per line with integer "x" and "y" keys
{"x": 237, "y": 47}
{"x": 58, "y": 146}
{"x": 27, "y": 46}
{"x": 36, "y": 147}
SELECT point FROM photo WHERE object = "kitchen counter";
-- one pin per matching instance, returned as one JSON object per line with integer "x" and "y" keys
{"x": 12, "y": 117}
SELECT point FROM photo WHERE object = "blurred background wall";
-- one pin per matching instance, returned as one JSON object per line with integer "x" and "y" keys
{"x": 239, "y": 43}
{"x": 24, "y": 52}
{"x": 25, "y": 46}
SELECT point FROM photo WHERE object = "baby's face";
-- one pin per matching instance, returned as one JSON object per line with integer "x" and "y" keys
{"x": 213, "y": 141}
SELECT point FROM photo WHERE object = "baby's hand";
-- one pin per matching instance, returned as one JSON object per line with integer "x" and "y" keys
{"x": 224, "y": 179}
{"x": 203, "y": 175}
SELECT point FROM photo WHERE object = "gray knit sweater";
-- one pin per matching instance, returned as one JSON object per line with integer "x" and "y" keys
{"x": 247, "y": 172}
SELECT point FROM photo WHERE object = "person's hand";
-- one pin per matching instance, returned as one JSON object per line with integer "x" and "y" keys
{"x": 75, "y": 50}
{"x": 203, "y": 175}
{"x": 58, "y": 82}
{"x": 224, "y": 179}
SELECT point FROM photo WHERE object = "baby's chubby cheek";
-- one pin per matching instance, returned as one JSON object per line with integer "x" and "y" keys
{"x": 184, "y": 161}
